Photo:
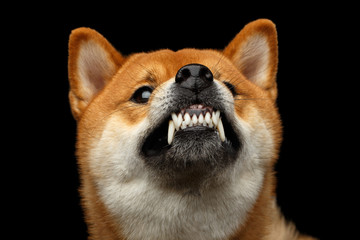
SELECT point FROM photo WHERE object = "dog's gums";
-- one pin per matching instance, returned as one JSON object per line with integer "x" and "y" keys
{"x": 195, "y": 115}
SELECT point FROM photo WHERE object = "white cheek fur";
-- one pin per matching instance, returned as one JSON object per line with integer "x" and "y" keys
{"x": 115, "y": 156}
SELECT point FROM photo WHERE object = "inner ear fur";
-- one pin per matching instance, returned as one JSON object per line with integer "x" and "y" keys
{"x": 93, "y": 61}
{"x": 254, "y": 51}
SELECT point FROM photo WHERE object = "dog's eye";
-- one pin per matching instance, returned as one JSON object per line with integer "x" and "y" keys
{"x": 142, "y": 94}
{"x": 231, "y": 88}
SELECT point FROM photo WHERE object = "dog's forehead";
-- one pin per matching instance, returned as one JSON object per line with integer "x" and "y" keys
{"x": 183, "y": 56}
{"x": 164, "y": 64}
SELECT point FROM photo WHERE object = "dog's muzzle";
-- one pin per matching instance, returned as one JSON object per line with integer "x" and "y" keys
{"x": 195, "y": 134}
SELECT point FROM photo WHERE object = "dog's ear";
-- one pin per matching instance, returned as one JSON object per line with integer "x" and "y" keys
{"x": 93, "y": 61}
{"x": 254, "y": 51}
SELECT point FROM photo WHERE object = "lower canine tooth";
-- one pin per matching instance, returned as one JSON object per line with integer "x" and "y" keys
{"x": 171, "y": 131}
{"x": 220, "y": 128}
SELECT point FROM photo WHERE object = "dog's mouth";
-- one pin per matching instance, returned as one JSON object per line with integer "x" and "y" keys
{"x": 198, "y": 123}
{"x": 196, "y": 115}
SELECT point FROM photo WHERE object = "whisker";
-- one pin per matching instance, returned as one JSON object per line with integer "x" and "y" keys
{"x": 215, "y": 67}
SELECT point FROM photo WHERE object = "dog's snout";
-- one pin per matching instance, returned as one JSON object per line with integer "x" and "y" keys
{"x": 195, "y": 77}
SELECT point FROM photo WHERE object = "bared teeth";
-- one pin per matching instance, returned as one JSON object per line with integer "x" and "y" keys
{"x": 183, "y": 120}
{"x": 208, "y": 118}
{"x": 194, "y": 120}
{"x": 215, "y": 117}
{"x": 187, "y": 119}
{"x": 201, "y": 119}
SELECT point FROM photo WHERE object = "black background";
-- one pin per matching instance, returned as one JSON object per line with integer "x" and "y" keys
{"x": 313, "y": 188}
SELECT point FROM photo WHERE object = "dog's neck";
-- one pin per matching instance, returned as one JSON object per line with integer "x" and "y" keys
{"x": 153, "y": 214}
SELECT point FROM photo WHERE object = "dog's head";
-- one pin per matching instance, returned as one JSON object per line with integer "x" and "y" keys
{"x": 155, "y": 127}
{"x": 181, "y": 119}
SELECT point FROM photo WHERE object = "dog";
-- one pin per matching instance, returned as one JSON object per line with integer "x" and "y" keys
{"x": 179, "y": 145}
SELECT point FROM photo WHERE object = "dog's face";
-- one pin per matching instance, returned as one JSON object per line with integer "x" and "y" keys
{"x": 190, "y": 121}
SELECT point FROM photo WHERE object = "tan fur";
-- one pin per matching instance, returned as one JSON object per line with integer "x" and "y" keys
{"x": 118, "y": 77}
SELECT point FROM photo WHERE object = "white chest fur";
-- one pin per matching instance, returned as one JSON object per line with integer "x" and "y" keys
{"x": 146, "y": 212}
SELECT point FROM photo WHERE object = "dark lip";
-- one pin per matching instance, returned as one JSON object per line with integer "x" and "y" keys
{"x": 156, "y": 142}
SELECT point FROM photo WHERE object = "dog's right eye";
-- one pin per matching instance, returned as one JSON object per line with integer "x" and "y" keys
{"x": 231, "y": 88}
{"x": 142, "y": 95}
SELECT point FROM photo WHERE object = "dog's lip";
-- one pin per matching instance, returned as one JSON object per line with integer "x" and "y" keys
{"x": 157, "y": 141}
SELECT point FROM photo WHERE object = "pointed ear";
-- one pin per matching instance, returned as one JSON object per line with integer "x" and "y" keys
{"x": 254, "y": 52}
{"x": 93, "y": 61}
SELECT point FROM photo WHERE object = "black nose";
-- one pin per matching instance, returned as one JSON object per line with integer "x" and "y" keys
{"x": 195, "y": 77}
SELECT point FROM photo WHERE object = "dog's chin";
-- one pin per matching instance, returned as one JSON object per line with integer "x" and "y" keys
{"x": 195, "y": 155}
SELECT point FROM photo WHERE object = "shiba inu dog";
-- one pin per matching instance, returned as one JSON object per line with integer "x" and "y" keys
{"x": 179, "y": 145}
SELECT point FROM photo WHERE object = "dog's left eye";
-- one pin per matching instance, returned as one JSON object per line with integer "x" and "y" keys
{"x": 142, "y": 94}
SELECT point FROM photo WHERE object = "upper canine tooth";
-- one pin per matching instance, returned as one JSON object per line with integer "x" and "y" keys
{"x": 171, "y": 131}
{"x": 220, "y": 128}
